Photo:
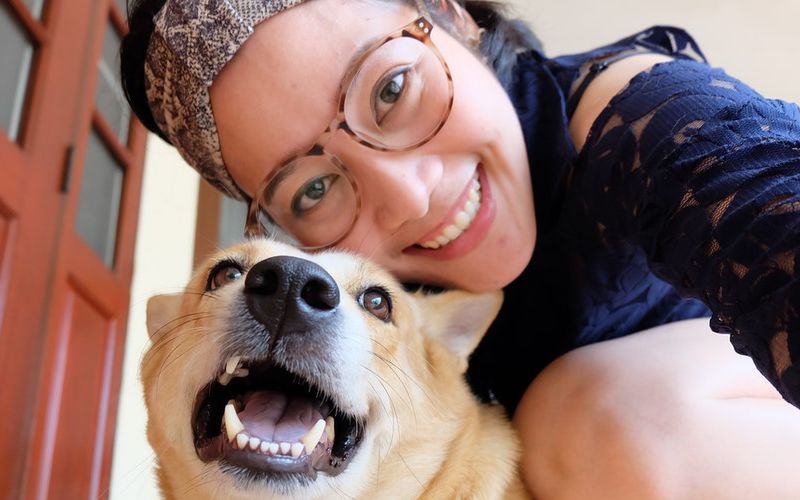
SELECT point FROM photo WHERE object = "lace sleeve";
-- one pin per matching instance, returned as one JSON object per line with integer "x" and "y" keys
{"x": 704, "y": 174}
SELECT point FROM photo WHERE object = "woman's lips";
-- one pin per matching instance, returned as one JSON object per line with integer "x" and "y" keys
{"x": 465, "y": 226}
{"x": 459, "y": 219}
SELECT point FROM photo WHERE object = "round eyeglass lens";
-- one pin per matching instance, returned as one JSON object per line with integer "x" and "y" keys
{"x": 312, "y": 199}
{"x": 400, "y": 96}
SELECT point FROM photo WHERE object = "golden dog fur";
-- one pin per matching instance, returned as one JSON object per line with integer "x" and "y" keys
{"x": 426, "y": 436}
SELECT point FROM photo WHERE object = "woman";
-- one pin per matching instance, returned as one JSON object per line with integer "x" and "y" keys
{"x": 617, "y": 191}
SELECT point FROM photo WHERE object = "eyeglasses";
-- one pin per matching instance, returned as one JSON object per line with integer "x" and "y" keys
{"x": 395, "y": 97}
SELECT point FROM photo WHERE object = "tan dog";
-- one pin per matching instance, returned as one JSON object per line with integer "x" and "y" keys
{"x": 279, "y": 374}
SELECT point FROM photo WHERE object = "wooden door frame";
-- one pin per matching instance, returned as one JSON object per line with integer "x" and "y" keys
{"x": 42, "y": 223}
{"x": 79, "y": 267}
{"x": 36, "y": 167}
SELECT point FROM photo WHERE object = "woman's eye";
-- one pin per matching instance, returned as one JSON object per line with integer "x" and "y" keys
{"x": 377, "y": 302}
{"x": 389, "y": 91}
{"x": 223, "y": 274}
{"x": 312, "y": 193}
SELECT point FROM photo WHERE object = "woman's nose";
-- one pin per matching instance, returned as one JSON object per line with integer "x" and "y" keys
{"x": 397, "y": 187}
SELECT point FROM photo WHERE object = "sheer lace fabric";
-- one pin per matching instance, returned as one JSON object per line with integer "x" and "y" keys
{"x": 683, "y": 203}
{"x": 703, "y": 173}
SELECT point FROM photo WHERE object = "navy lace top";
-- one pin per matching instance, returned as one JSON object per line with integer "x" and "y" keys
{"x": 683, "y": 203}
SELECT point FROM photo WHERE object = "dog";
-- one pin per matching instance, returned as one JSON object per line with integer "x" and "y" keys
{"x": 282, "y": 374}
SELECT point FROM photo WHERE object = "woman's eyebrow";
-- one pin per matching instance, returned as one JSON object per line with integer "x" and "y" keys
{"x": 273, "y": 185}
{"x": 356, "y": 57}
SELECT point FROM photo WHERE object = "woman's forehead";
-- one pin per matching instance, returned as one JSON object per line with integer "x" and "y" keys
{"x": 280, "y": 91}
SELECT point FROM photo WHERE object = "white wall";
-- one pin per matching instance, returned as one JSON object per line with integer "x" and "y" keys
{"x": 755, "y": 41}
{"x": 747, "y": 37}
{"x": 164, "y": 250}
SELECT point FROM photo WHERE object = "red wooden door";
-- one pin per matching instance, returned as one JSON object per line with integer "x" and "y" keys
{"x": 70, "y": 174}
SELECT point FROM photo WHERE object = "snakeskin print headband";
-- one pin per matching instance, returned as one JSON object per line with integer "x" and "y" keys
{"x": 191, "y": 42}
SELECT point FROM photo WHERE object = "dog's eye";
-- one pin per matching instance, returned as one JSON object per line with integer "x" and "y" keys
{"x": 222, "y": 274}
{"x": 377, "y": 302}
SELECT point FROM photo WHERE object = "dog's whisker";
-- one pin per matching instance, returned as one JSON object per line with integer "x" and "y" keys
{"x": 200, "y": 480}
{"x": 166, "y": 343}
{"x": 176, "y": 358}
{"x": 394, "y": 368}
{"x": 161, "y": 345}
{"x": 393, "y": 417}
{"x": 200, "y": 294}
{"x": 340, "y": 491}
{"x": 178, "y": 322}
{"x": 422, "y": 357}
{"x": 170, "y": 325}
{"x": 179, "y": 342}
{"x": 408, "y": 467}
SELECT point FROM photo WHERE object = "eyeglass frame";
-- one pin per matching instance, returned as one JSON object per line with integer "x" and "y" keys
{"x": 419, "y": 29}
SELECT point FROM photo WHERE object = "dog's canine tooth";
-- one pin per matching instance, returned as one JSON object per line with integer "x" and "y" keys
{"x": 241, "y": 372}
{"x": 297, "y": 449}
{"x": 285, "y": 448}
{"x": 313, "y": 436}
{"x": 329, "y": 428}
{"x": 232, "y": 364}
{"x": 231, "y": 370}
{"x": 224, "y": 378}
{"x": 233, "y": 425}
{"x": 241, "y": 440}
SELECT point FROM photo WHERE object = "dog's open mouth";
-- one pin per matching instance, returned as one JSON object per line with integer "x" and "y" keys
{"x": 259, "y": 417}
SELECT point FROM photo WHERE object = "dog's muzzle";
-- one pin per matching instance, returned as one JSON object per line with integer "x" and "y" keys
{"x": 270, "y": 412}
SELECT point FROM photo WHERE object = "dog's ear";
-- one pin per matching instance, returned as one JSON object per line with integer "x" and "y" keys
{"x": 458, "y": 319}
{"x": 161, "y": 309}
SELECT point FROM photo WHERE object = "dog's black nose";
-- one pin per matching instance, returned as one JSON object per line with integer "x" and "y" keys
{"x": 289, "y": 289}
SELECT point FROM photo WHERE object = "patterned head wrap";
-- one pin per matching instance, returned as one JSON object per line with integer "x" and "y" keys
{"x": 191, "y": 42}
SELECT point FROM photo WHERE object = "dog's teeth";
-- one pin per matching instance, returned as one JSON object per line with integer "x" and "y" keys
{"x": 297, "y": 449}
{"x": 224, "y": 378}
{"x": 232, "y": 364}
{"x": 329, "y": 428}
{"x": 241, "y": 372}
{"x": 313, "y": 436}
{"x": 274, "y": 448}
{"x": 254, "y": 443}
{"x": 233, "y": 425}
{"x": 285, "y": 448}
{"x": 264, "y": 447}
{"x": 241, "y": 440}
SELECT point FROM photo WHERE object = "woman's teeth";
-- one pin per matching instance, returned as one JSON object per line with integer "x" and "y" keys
{"x": 462, "y": 220}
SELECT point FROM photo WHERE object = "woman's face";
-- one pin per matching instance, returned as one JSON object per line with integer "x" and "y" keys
{"x": 280, "y": 92}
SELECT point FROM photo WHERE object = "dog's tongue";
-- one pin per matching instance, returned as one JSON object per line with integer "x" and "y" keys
{"x": 279, "y": 417}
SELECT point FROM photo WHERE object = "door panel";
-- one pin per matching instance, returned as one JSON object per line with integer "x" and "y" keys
{"x": 8, "y": 236}
{"x": 77, "y": 410}
{"x": 30, "y": 169}
{"x": 63, "y": 296}
{"x": 91, "y": 281}
{"x": 16, "y": 61}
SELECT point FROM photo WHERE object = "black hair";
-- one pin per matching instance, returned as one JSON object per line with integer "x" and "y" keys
{"x": 132, "y": 52}
{"x": 504, "y": 38}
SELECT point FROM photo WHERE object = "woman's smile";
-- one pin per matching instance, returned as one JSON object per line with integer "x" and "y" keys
{"x": 465, "y": 225}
